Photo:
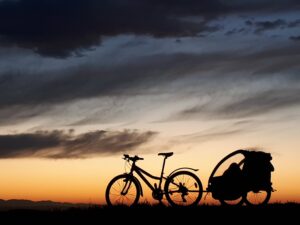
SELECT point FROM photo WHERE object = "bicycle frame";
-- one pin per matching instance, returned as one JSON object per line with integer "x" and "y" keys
{"x": 140, "y": 172}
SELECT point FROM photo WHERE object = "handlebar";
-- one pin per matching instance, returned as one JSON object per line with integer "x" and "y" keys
{"x": 134, "y": 158}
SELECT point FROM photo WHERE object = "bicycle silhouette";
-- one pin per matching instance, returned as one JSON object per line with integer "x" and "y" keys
{"x": 182, "y": 187}
{"x": 246, "y": 180}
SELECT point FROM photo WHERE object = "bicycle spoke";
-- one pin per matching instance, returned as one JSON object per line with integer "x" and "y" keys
{"x": 115, "y": 189}
{"x": 193, "y": 184}
{"x": 119, "y": 184}
{"x": 184, "y": 188}
{"x": 188, "y": 180}
{"x": 122, "y": 191}
{"x": 115, "y": 194}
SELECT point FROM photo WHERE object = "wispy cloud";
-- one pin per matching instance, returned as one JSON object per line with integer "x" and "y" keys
{"x": 213, "y": 134}
{"x": 261, "y": 103}
{"x": 243, "y": 107}
{"x": 219, "y": 132}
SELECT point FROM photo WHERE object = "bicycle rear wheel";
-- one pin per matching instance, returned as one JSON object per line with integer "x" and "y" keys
{"x": 122, "y": 190}
{"x": 183, "y": 188}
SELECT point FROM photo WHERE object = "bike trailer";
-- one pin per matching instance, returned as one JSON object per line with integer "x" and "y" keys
{"x": 253, "y": 173}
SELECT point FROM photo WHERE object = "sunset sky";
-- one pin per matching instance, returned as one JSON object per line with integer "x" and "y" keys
{"x": 84, "y": 81}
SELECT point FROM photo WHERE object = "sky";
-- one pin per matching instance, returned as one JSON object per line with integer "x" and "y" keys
{"x": 84, "y": 81}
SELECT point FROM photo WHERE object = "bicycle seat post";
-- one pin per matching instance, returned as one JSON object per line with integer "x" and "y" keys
{"x": 166, "y": 155}
{"x": 162, "y": 172}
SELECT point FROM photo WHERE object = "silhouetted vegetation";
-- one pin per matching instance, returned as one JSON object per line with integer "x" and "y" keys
{"x": 154, "y": 213}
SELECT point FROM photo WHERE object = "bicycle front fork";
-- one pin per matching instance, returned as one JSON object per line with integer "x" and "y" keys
{"x": 126, "y": 186}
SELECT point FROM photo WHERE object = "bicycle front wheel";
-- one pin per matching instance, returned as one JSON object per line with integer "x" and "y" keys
{"x": 183, "y": 188}
{"x": 122, "y": 190}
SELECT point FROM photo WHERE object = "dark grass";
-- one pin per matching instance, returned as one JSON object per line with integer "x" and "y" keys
{"x": 155, "y": 214}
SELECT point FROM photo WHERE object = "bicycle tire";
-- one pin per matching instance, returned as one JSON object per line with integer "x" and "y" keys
{"x": 114, "y": 188}
{"x": 183, "y": 181}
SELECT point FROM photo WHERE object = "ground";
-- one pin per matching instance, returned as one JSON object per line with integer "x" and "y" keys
{"x": 149, "y": 214}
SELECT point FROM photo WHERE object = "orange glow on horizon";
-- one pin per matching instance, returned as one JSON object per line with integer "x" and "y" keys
{"x": 84, "y": 181}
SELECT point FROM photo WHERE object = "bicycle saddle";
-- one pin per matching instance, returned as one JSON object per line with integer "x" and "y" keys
{"x": 166, "y": 154}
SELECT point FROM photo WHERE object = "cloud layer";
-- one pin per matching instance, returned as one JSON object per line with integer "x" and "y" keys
{"x": 59, "y": 28}
{"x": 151, "y": 61}
{"x": 268, "y": 76}
{"x": 58, "y": 144}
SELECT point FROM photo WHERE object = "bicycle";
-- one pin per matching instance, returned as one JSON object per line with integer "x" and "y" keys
{"x": 182, "y": 187}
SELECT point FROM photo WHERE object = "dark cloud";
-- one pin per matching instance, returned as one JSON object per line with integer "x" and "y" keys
{"x": 295, "y": 23}
{"x": 133, "y": 76}
{"x": 87, "y": 81}
{"x": 295, "y": 38}
{"x": 59, "y": 144}
{"x": 269, "y": 25}
{"x": 235, "y": 31}
{"x": 29, "y": 95}
{"x": 262, "y": 26}
{"x": 59, "y": 28}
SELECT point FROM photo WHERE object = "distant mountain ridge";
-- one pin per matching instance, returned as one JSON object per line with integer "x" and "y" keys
{"x": 41, "y": 205}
